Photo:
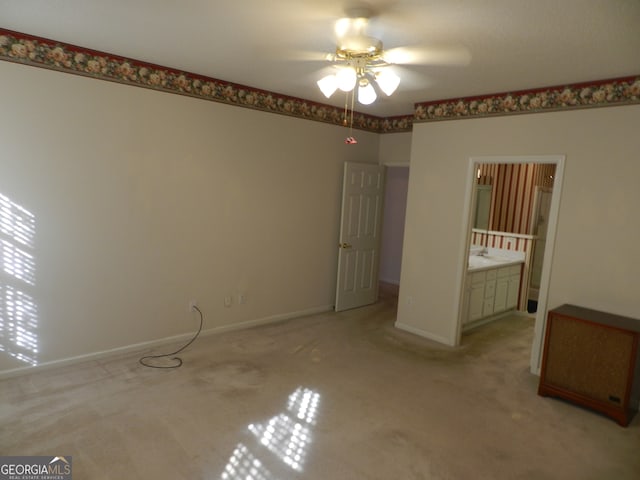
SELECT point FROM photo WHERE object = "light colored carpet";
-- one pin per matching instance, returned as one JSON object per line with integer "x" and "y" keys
{"x": 375, "y": 402}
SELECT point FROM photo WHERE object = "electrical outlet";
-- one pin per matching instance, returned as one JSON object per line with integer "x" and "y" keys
{"x": 228, "y": 300}
{"x": 242, "y": 299}
{"x": 192, "y": 305}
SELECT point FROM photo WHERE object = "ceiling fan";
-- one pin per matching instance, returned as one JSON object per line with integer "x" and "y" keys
{"x": 363, "y": 67}
{"x": 359, "y": 60}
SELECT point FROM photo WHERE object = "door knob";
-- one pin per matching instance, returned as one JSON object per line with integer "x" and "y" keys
{"x": 345, "y": 245}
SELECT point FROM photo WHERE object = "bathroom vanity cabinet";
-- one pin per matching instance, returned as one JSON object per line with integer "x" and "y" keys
{"x": 492, "y": 291}
{"x": 591, "y": 358}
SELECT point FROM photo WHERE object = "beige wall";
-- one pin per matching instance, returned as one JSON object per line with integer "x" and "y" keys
{"x": 596, "y": 256}
{"x": 395, "y": 148}
{"x": 145, "y": 200}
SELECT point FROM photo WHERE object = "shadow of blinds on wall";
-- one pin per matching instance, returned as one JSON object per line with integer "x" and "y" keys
{"x": 18, "y": 312}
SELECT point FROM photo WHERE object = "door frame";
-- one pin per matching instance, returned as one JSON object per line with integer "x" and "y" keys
{"x": 537, "y": 195}
{"x": 469, "y": 204}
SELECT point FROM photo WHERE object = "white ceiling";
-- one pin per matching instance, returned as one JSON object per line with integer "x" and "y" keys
{"x": 510, "y": 44}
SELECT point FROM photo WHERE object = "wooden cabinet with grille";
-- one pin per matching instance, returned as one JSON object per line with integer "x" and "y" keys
{"x": 591, "y": 358}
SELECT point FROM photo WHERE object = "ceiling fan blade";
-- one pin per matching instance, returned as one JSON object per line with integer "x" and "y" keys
{"x": 411, "y": 80}
{"x": 302, "y": 55}
{"x": 449, "y": 56}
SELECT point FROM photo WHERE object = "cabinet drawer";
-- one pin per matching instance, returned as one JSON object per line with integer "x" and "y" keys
{"x": 514, "y": 269}
{"x": 477, "y": 278}
{"x": 504, "y": 272}
{"x": 491, "y": 274}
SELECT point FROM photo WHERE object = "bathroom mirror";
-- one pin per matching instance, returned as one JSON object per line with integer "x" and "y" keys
{"x": 483, "y": 207}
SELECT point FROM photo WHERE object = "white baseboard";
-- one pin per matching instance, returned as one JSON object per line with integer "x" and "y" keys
{"x": 424, "y": 333}
{"x": 483, "y": 321}
{"x": 163, "y": 341}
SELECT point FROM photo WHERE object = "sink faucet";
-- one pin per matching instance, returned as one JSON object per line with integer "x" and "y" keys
{"x": 483, "y": 252}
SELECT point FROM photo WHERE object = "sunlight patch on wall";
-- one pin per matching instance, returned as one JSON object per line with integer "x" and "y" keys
{"x": 287, "y": 436}
{"x": 17, "y": 262}
{"x": 18, "y": 311}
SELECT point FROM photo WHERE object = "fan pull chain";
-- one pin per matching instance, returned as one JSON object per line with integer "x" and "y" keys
{"x": 350, "y": 140}
{"x": 346, "y": 109}
{"x": 353, "y": 102}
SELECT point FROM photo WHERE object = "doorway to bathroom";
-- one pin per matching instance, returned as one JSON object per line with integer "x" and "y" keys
{"x": 515, "y": 208}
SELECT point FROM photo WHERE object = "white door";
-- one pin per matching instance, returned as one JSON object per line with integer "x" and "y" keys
{"x": 359, "y": 245}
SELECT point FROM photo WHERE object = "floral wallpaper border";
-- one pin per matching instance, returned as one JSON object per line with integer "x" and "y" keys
{"x": 41, "y": 52}
{"x": 602, "y": 93}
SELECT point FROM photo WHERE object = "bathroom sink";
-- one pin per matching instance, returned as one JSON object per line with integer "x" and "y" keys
{"x": 477, "y": 261}
{"x": 493, "y": 259}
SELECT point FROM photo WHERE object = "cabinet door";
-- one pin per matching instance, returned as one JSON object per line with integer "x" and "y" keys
{"x": 487, "y": 309}
{"x": 500, "y": 302}
{"x": 476, "y": 302}
{"x": 489, "y": 294}
{"x": 513, "y": 291}
{"x": 490, "y": 289}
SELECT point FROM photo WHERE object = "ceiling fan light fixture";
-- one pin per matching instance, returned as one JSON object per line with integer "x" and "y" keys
{"x": 342, "y": 27}
{"x": 360, "y": 59}
{"x": 366, "y": 92}
{"x": 387, "y": 81}
{"x": 346, "y": 79}
{"x": 328, "y": 85}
